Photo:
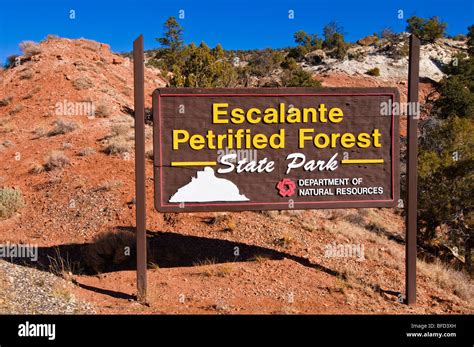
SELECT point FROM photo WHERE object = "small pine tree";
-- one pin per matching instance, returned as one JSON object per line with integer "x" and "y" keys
{"x": 334, "y": 40}
{"x": 172, "y": 42}
{"x": 172, "y": 38}
{"x": 470, "y": 40}
{"x": 427, "y": 30}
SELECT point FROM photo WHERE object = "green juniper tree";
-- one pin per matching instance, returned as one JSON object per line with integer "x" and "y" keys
{"x": 446, "y": 161}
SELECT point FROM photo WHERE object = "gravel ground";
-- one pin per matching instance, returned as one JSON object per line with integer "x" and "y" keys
{"x": 25, "y": 290}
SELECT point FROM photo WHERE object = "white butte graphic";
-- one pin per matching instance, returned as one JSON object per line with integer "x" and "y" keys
{"x": 207, "y": 187}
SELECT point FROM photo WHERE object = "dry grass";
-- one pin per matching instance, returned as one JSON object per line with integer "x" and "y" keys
{"x": 355, "y": 219}
{"x": 103, "y": 111}
{"x": 117, "y": 140}
{"x": 222, "y": 270}
{"x": 230, "y": 223}
{"x": 120, "y": 130}
{"x": 61, "y": 127}
{"x": 205, "y": 262}
{"x": 123, "y": 119}
{"x": 108, "y": 186}
{"x": 39, "y": 133}
{"x": 86, "y": 152}
{"x": 82, "y": 83}
{"x": 36, "y": 168}
{"x": 11, "y": 200}
{"x": 260, "y": 258}
{"x": 63, "y": 266}
{"x": 285, "y": 241}
{"x": 449, "y": 279}
{"x": 5, "y": 101}
{"x": 117, "y": 146}
{"x": 270, "y": 214}
{"x": 55, "y": 160}
{"x": 62, "y": 293}
{"x": 30, "y": 48}
{"x": 89, "y": 45}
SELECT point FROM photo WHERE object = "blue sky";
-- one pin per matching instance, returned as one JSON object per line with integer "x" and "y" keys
{"x": 235, "y": 24}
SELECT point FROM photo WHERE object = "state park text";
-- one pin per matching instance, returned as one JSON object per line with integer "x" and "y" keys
{"x": 298, "y": 134}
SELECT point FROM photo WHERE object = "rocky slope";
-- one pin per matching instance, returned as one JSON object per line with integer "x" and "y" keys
{"x": 363, "y": 57}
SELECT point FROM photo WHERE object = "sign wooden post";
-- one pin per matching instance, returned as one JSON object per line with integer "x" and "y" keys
{"x": 411, "y": 197}
{"x": 140, "y": 196}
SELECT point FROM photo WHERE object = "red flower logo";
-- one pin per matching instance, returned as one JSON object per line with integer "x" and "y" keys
{"x": 286, "y": 187}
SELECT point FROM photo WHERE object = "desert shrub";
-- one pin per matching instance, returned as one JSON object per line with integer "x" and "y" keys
{"x": 308, "y": 41}
{"x": 16, "y": 109}
{"x": 446, "y": 163}
{"x": 36, "y": 168}
{"x": 457, "y": 91}
{"x": 39, "y": 132}
{"x": 7, "y": 143}
{"x": 373, "y": 72}
{"x": 51, "y": 37}
{"x": 103, "y": 111}
{"x": 263, "y": 63}
{"x": 397, "y": 46}
{"x": 107, "y": 251}
{"x": 427, "y": 30}
{"x": 11, "y": 200}
{"x": 204, "y": 67}
{"x": 117, "y": 146}
{"x": 107, "y": 186}
{"x": 61, "y": 127}
{"x": 470, "y": 40}
{"x": 30, "y": 48}
{"x": 82, "y": 83}
{"x": 120, "y": 129}
{"x": 334, "y": 40}
{"x": 355, "y": 218}
{"x": 86, "y": 151}
{"x": 12, "y": 61}
{"x": 459, "y": 37}
{"x": 448, "y": 279}
{"x": 27, "y": 74}
{"x": 55, "y": 160}
{"x": 191, "y": 65}
{"x": 294, "y": 76}
{"x": 5, "y": 101}
{"x": 149, "y": 154}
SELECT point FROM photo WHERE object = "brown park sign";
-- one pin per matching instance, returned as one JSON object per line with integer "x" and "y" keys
{"x": 285, "y": 148}
{"x": 275, "y": 149}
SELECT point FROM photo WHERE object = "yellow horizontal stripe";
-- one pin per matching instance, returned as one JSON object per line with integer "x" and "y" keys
{"x": 362, "y": 161}
{"x": 193, "y": 163}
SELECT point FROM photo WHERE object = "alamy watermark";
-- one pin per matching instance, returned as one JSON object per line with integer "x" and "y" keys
{"x": 236, "y": 155}
{"x": 388, "y": 108}
{"x": 75, "y": 108}
{"x": 347, "y": 250}
{"x": 12, "y": 250}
